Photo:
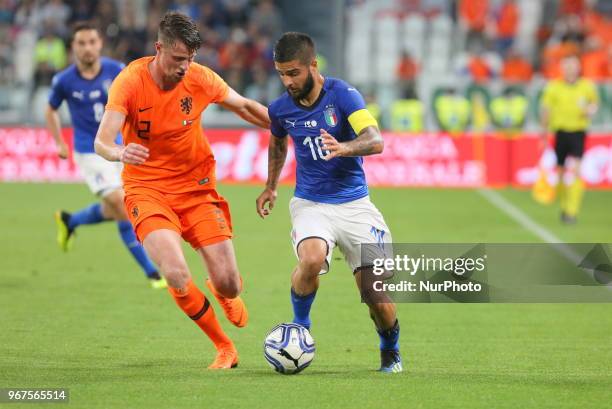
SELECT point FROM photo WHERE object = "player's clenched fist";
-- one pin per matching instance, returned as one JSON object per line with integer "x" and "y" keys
{"x": 134, "y": 154}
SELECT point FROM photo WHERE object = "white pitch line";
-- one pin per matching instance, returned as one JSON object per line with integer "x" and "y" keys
{"x": 530, "y": 225}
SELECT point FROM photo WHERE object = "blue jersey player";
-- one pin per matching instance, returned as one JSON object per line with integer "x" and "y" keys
{"x": 84, "y": 86}
{"x": 331, "y": 130}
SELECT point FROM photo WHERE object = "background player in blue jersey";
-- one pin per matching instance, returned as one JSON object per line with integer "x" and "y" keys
{"x": 84, "y": 86}
{"x": 331, "y": 131}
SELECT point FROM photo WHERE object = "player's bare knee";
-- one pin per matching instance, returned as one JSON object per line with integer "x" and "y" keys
{"x": 381, "y": 307}
{"x": 176, "y": 273}
{"x": 114, "y": 206}
{"x": 312, "y": 263}
{"x": 120, "y": 212}
{"x": 311, "y": 253}
{"x": 233, "y": 288}
{"x": 176, "y": 279}
{"x": 228, "y": 287}
{"x": 119, "y": 208}
{"x": 384, "y": 313}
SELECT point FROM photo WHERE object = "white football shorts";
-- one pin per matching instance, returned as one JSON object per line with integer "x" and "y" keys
{"x": 346, "y": 225}
{"x": 101, "y": 176}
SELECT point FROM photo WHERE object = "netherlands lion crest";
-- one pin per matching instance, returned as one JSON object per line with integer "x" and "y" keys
{"x": 186, "y": 105}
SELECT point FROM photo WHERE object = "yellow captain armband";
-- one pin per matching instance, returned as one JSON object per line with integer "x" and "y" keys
{"x": 361, "y": 119}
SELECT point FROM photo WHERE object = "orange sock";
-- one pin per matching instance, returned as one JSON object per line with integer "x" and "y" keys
{"x": 193, "y": 302}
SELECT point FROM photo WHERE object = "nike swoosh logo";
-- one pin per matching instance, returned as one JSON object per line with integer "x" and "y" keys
{"x": 144, "y": 109}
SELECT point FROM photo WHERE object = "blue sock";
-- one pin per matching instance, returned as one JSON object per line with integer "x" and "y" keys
{"x": 133, "y": 245}
{"x": 89, "y": 215}
{"x": 301, "y": 308}
{"x": 389, "y": 338}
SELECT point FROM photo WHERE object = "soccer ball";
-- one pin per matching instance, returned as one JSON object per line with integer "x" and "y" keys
{"x": 289, "y": 348}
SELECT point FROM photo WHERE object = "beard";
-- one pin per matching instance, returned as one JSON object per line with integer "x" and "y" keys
{"x": 305, "y": 90}
{"x": 87, "y": 60}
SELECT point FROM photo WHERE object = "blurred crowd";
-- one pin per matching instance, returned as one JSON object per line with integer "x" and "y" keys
{"x": 567, "y": 27}
{"x": 490, "y": 28}
{"x": 238, "y": 37}
{"x": 488, "y": 60}
{"x": 488, "y": 48}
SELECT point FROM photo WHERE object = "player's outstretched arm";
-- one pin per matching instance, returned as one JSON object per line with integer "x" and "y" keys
{"x": 368, "y": 142}
{"x": 277, "y": 154}
{"x": 55, "y": 128}
{"x": 247, "y": 109}
{"x": 105, "y": 146}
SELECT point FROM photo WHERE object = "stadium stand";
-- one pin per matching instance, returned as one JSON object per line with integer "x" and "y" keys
{"x": 495, "y": 43}
{"x": 396, "y": 51}
{"x": 34, "y": 43}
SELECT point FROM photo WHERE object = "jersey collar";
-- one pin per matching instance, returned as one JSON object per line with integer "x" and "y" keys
{"x": 316, "y": 103}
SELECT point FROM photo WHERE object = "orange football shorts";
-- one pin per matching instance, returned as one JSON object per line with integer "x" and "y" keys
{"x": 202, "y": 217}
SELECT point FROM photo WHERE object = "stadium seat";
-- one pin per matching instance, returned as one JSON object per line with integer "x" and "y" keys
{"x": 24, "y": 57}
{"x": 412, "y": 35}
{"x": 358, "y": 54}
{"x": 441, "y": 25}
{"x": 19, "y": 97}
{"x": 387, "y": 49}
{"x": 39, "y": 104}
{"x": 531, "y": 13}
{"x": 358, "y": 48}
{"x": 5, "y": 100}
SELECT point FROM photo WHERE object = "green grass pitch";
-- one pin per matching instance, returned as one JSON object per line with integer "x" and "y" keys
{"x": 88, "y": 321}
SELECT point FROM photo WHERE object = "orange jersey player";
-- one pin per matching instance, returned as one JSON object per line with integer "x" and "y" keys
{"x": 169, "y": 174}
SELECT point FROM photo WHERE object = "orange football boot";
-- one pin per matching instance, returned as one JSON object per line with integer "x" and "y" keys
{"x": 227, "y": 358}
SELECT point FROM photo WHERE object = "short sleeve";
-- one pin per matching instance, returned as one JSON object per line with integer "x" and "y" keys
{"x": 56, "y": 95}
{"x": 353, "y": 106}
{"x": 275, "y": 126}
{"x": 216, "y": 88}
{"x": 350, "y": 101}
{"x": 121, "y": 93}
